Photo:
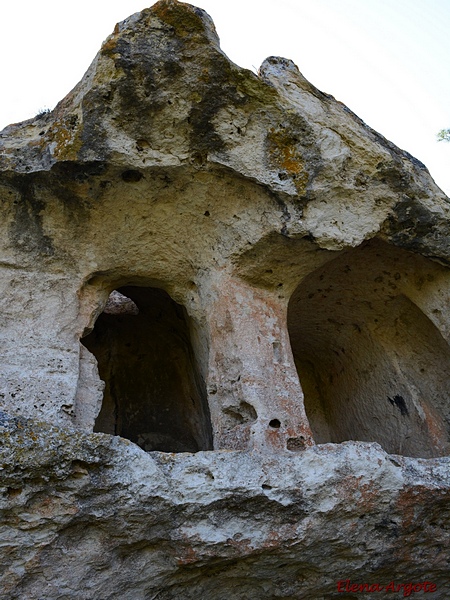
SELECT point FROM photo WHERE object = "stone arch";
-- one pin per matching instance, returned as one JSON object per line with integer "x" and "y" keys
{"x": 154, "y": 394}
{"x": 373, "y": 366}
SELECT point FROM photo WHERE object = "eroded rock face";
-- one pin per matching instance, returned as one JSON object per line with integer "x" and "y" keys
{"x": 93, "y": 516}
{"x": 197, "y": 258}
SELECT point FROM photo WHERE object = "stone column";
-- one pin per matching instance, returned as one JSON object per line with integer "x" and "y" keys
{"x": 254, "y": 393}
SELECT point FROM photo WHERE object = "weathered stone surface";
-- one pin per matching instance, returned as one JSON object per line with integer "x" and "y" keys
{"x": 92, "y": 516}
{"x": 235, "y": 270}
{"x": 170, "y": 167}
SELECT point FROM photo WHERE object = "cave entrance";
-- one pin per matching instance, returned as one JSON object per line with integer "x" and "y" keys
{"x": 373, "y": 367}
{"x": 154, "y": 394}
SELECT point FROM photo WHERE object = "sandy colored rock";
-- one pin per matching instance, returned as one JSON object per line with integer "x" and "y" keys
{"x": 240, "y": 277}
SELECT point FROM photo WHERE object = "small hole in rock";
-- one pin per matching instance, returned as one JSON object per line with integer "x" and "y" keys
{"x": 132, "y": 176}
{"x": 275, "y": 423}
{"x": 295, "y": 444}
{"x": 206, "y": 213}
{"x": 12, "y": 492}
{"x": 265, "y": 486}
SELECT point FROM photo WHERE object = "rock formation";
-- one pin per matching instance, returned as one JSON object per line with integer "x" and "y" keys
{"x": 225, "y": 336}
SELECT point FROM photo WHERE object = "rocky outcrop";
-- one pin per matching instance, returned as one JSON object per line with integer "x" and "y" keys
{"x": 235, "y": 273}
{"x": 92, "y": 516}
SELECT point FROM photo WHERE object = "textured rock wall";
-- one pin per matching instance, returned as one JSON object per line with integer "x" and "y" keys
{"x": 92, "y": 516}
{"x": 195, "y": 257}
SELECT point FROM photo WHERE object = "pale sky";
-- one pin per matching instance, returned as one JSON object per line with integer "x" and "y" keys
{"x": 387, "y": 60}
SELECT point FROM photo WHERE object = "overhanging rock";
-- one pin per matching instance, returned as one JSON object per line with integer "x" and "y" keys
{"x": 234, "y": 269}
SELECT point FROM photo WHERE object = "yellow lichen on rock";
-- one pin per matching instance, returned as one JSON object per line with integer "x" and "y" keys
{"x": 283, "y": 151}
{"x": 65, "y": 135}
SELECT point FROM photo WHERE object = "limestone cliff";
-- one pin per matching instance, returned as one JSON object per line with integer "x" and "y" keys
{"x": 225, "y": 335}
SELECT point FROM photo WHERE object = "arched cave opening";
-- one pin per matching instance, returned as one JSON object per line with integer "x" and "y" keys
{"x": 154, "y": 394}
{"x": 373, "y": 367}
